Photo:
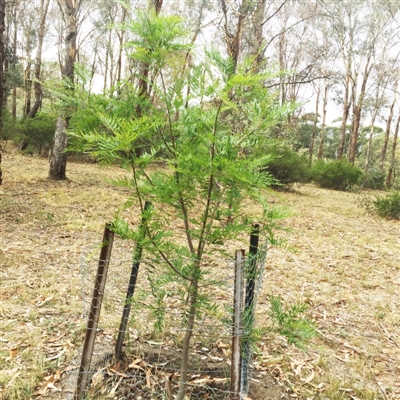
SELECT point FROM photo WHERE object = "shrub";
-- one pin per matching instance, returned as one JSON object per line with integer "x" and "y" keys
{"x": 389, "y": 206}
{"x": 337, "y": 174}
{"x": 290, "y": 322}
{"x": 31, "y": 135}
{"x": 374, "y": 179}
{"x": 288, "y": 167}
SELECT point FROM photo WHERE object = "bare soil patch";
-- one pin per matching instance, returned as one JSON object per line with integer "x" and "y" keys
{"x": 342, "y": 261}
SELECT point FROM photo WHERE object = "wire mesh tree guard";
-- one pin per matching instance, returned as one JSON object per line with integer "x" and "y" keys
{"x": 220, "y": 358}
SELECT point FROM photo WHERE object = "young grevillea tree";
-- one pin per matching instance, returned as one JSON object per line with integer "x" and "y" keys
{"x": 209, "y": 125}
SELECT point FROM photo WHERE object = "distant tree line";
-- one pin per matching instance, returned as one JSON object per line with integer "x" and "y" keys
{"x": 329, "y": 58}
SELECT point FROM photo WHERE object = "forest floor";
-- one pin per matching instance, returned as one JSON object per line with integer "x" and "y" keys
{"x": 339, "y": 259}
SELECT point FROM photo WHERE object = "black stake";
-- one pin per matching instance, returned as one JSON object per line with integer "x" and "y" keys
{"x": 249, "y": 305}
{"x": 252, "y": 267}
{"x": 132, "y": 282}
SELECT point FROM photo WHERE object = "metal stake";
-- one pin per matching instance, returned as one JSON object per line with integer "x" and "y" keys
{"x": 94, "y": 315}
{"x": 132, "y": 282}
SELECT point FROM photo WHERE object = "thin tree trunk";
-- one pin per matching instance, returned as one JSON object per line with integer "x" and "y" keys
{"x": 44, "y": 6}
{"x": 2, "y": 29}
{"x": 371, "y": 133}
{"x": 188, "y": 335}
{"x": 119, "y": 62}
{"x": 120, "y": 51}
{"x": 387, "y": 132}
{"x": 106, "y": 67}
{"x": 357, "y": 112}
{"x": 389, "y": 178}
{"x": 353, "y": 102}
{"x": 14, "y": 89}
{"x": 28, "y": 86}
{"x": 58, "y": 159}
{"x": 282, "y": 68}
{"x": 323, "y": 126}
{"x": 92, "y": 71}
{"x": 345, "y": 116}
{"x": 111, "y": 60}
{"x": 314, "y": 132}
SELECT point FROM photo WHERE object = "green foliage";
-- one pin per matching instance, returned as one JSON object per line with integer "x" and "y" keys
{"x": 374, "y": 179}
{"x": 290, "y": 322}
{"x": 35, "y": 135}
{"x": 157, "y": 39}
{"x": 14, "y": 73}
{"x": 388, "y": 207}
{"x": 336, "y": 174}
{"x": 287, "y": 166}
{"x": 197, "y": 122}
{"x": 304, "y": 132}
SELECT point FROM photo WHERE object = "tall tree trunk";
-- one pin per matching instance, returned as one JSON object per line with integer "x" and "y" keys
{"x": 2, "y": 29}
{"x": 345, "y": 116}
{"x": 282, "y": 67}
{"x": 106, "y": 65}
{"x": 389, "y": 177}
{"x": 369, "y": 146}
{"x": 14, "y": 89}
{"x": 144, "y": 69}
{"x": 387, "y": 131}
{"x": 357, "y": 112}
{"x": 353, "y": 102}
{"x": 28, "y": 85}
{"x": 44, "y": 6}
{"x": 371, "y": 132}
{"x": 120, "y": 50}
{"x": 323, "y": 126}
{"x": 58, "y": 159}
{"x": 257, "y": 42}
{"x": 314, "y": 132}
{"x": 111, "y": 60}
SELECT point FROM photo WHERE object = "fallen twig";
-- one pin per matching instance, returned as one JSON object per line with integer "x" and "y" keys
{"x": 389, "y": 336}
{"x": 376, "y": 381}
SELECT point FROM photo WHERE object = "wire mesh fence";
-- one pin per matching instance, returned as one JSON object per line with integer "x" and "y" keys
{"x": 149, "y": 366}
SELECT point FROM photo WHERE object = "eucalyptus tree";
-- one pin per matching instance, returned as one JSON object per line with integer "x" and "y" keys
{"x": 364, "y": 32}
{"x": 381, "y": 37}
{"x": 389, "y": 119}
{"x": 375, "y": 104}
{"x": 109, "y": 41}
{"x": 28, "y": 39}
{"x": 58, "y": 160}
{"x": 393, "y": 162}
{"x": 295, "y": 47}
{"x": 14, "y": 71}
{"x": 37, "y": 78}
{"x": 343, "y": 21}
{"x": 243, "y": 25}
{"x": 323, "y": 125}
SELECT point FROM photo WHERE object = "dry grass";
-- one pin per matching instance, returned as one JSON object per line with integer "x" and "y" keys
{"x": 346, "y": 265}
{"x": 343, "y": 262}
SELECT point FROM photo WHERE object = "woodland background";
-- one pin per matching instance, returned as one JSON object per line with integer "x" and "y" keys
{"x": 337, "y": 61}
